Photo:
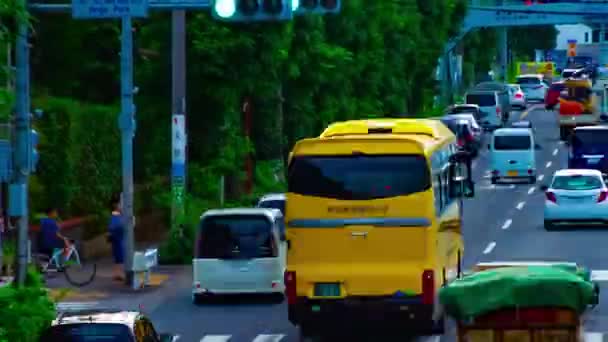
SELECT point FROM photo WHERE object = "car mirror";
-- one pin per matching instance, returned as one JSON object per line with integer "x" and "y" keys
{"x": 168, "y": 338}
{"x": 544, "y": 187}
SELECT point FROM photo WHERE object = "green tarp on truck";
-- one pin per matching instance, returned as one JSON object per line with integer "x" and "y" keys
{"x": 518, "y": 287}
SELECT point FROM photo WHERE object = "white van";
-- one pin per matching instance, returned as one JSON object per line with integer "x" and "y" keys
{"x": 490, "y": 104}
{"x": 512, "y": 154}
{"x": 239, "y": 251}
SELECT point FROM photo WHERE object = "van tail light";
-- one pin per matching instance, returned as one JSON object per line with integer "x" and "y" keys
{"x": 518, "y": 96}
{"x": 460, "y": 142}
{"x": 550, "y": 196}
{"x": 428, "y": 287}
{"x": 602, "y": 196}
{"x": 290, "y": 287}
{"x": 498, "y": 111}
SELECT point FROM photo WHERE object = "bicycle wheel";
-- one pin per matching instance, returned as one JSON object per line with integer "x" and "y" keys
{"x": 77, "y": 271}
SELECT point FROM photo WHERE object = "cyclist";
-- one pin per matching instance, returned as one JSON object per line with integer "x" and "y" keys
{"x": 50, "y": 238}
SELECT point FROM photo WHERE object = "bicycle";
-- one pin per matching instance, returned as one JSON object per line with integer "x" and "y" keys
{"x": 69, "y": 262}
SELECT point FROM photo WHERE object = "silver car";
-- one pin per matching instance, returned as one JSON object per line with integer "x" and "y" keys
{"x": 517, "y": 96}
{"x": 533, "y": 86}
{"x": 576, "y": 196}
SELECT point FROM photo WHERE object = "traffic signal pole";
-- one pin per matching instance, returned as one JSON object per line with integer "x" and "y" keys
{"x": 126, "y": 123}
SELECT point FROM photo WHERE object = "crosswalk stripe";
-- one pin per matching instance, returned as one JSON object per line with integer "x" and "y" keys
{"x": 268, "y": 338}
{"x": 594, "y": 337}
{"x": 216, "y": 338}
{"x": 599, "y": 275}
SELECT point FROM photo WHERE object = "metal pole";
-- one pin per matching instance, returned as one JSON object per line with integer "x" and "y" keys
{"x": 22, "y": 126}
{"x": 503, "y": 50}
{"x": 127, "y": 128}
{"x": 178, "y": 97}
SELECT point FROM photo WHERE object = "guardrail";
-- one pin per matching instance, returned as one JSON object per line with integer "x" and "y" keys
{"x": 143, "y": 262}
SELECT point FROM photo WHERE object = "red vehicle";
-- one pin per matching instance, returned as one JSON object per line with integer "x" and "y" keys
{"x": 553, "y": 93}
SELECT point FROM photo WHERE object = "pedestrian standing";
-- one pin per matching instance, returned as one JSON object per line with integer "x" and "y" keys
{"x": 116, "y": 232}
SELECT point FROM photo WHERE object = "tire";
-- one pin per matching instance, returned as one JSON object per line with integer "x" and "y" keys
{"x": 438, "y": 328}
{"x": 494, "y": 180}
{"x": 549, "y": 226}
{"x": 197, "y": 299}
{"x": 79, "y": 272}
{"x": 277, "y": 298}
{"x": 532, "y": 179}
{"x": 563, "y": 133}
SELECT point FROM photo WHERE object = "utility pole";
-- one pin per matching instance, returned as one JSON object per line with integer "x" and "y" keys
{"x": 178, "y": 120}
{"x": 18, "y": 190}
{"x": 126, "y": 123}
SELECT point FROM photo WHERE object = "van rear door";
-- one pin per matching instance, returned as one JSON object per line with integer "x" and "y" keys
{"x": 358, "y": 224}
{"x": 513, "y": 155}
{"x": 237, "y": 253}
{"x": 487, "y": 103}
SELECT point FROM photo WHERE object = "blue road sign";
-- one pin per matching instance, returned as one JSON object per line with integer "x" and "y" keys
{"x": 104, "y": 9}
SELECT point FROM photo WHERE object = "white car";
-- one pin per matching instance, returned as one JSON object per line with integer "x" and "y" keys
{"x": 517, "y": 96}
{"x": 273, "y": 201}
{"x": 533, "y": 86}
{"x": 576, "y": 196}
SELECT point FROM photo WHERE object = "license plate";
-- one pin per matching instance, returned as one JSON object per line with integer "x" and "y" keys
{"x": 327, "y": 290}
{"x": 512, "y": 173}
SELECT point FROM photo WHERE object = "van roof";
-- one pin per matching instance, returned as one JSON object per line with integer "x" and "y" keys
{"x": 271, "y": 214}
{"x": 273, "y": 197}
{"x": 531, "y": 75}
{"x": 513, "y": 131}
{"x": 584, "y": 172}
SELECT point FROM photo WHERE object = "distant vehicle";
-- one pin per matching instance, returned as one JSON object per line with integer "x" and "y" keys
{"x": 467, "y": 108}
{"x": 512, "y": 154}
{"x": 567, "y": 73}
{"x": 273, "y": 201}
{"x": 239, "y": 251}
{"x": 96, "y": 324}
{"x": 553, "y": 93}
{"x": 576, "y": 196}
{"x": 534, "y": 86}
{"x": 489, "y": 103}
{"x": 589, "y": 148}
{"x": 578, "y": 106}
{"x": 518, "y": 98}
{"x": 468, "y": 137}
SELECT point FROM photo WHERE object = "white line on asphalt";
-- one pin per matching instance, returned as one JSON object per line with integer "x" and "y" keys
{"x": 594, "y": 337}
{"x": 531, "y": 190}
{"x": 555, "y": 152}
{"x": 599, "y": 275}
{"x": 548, "y": 164}
{"x": 434, "y": 338}
{"x": 176, "y": 338}
{"x": 520, "y": 205}
{"x": 268, "y": 338}
{"x": 487, "y": 176}
{"x": 507, "y": 224}
{"x": 540, "y": 178}
{"x": 490, "y": 247}
{"x": 216, "y": 338}
{"x": 512, "y": 186}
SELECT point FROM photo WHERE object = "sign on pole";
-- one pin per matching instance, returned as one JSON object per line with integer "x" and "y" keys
{"x": 105, "y": 9}
{"x": 178, "y": 164}
{"x": 178, "y": 140}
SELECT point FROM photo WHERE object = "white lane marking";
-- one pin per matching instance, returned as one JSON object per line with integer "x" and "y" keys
{"x": 507, "y": 224}
{"x": 487, "y": 176}
{"x": 548, "y": 165}
{"x": 599, "y": 275}
{"x": 268, "y": 338}
{"x": 216, "y": 338}
{"x": 531, "y": 190}
{"x": 555, "y": 152}
{"x": 593, "y": 337}
{"x": 434, "y": 338}
{"x": 490, "y": 247}
{"x": 176, "y": 338}
{"x": 512, "y": 186}
{"x": 520, "y": 205}
{"x": 540, "y": 178}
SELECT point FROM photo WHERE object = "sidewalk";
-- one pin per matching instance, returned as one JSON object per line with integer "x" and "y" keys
{"x": 165, "y": 281}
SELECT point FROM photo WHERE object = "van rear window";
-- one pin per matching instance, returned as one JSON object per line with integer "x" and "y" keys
{"x": 528, "y": 80}
{"x": 590, "y": 141}
{"x": 358, "y": 177}
{"x": 482, "y": 100}
{"x": 236, "y": 237}
{"x": 512, "y": 142}
{"x": 88, "y": 332}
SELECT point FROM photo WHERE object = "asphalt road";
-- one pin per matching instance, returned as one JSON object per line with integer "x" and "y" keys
{"x": 503, "y": 222}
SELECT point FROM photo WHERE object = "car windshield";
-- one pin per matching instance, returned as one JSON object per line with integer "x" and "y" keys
{"x": 88, "y": 332}
{"x": 462, "y": 109}
{"x": 358, "y": 177}
{"x": 273, "y": 204}
{"x": 528, "y": 81}
{"x": 235, "y": 237}
{"x": 576, "y": 182}
{"x": 512, "y": 142}
{"x": 482, "y": 100}
{"x": 590, "y": 141}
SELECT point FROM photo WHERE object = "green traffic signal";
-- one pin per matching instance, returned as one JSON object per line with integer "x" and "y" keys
{"x": 224, "y": 8}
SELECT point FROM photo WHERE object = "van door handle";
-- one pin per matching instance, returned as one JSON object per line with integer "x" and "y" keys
{"x": 364, "y": 234}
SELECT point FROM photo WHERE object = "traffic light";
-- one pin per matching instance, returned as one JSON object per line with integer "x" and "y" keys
{"x": 252, "y": 10}
{"x": 301, "y": 7}
{"x": 33, "y": 156}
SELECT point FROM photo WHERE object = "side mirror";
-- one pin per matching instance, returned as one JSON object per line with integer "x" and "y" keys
{"x": 168, "y": 338}
{"x": 544, "y": 187}
{"x": 604, "y": 117}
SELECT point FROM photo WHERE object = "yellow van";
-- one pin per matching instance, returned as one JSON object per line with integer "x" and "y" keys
{"x": 373, "y": 222}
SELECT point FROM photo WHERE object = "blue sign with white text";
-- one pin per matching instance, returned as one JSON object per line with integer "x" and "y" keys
{"x": 102, "y": 9}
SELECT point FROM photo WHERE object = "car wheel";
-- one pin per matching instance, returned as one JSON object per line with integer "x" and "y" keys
{"x": 308, "y": 335}
{"x": 549, "y": 226}
{"x": 562, "y": 133}
{"x": 494, "y": 180}
{"x": 197, "y": 299}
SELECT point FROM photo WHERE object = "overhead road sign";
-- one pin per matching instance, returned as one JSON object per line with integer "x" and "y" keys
{"x": 106, "y": 9}
{"x": 152, "y": 4}
{"x": 179, "y": 4}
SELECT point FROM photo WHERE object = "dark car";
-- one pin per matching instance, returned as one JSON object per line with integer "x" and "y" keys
{"x": 553, "y": 93}
{"x": 467, "y": 108}
{"x": 588, "y": 148}
{"x": 464, "y": 134}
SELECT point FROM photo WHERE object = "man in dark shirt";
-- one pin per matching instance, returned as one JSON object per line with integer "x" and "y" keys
{"x": 50, "y": 238}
